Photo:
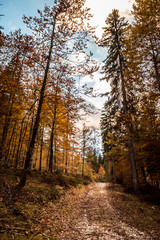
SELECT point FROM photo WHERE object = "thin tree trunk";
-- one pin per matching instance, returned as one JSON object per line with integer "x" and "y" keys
{"x": 47, "y": 162}
{"x": 73, "y": 160}
{"x": 19, "y": 143}
{"x": 83, "y": 166}
{"x": 55, "y": 157}
{"x": 63, "y": 159}
{"x": 41, "y": 150}
{"x": 109, "y": 170}
{"x": 33, "y": 164}
{"x": 66, "y": 159}
{"x": 14, "y": 149}
{"x": 4, "y": 134}
{"x": 51, "y": 148}
{"x": 66, "y": 162}
{"x": 37, "y": 120}
{"x": 9, "y": 144}
{"x": 20, "y": 149}
{"x": 52, "y": 131}
{"x": 114, "y": 170}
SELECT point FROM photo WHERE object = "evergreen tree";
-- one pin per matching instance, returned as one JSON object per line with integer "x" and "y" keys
{"x": 114, "y": 72}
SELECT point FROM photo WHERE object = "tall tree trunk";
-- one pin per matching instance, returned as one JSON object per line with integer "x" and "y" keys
{"x": 37, "y": 120}
{"x": 114, "y": 170}
{"x": 109, "y": 169}
{"x": 73, "y": 160}
{"x": 55, "y": 156}
{"x": 9, "y": 144}
{"x": 14, "y": 149}
{"x": 48, "y": 154}
{"x": 83, "y": 166}
{"x": 67, "y": 148}
{"x": 4, "y": 134}
{"x": 66, "y": 162}
{"x": 51, "y": 148}
{"x": 20, "y": 148}
{"x": 52, "y": 131}
{"x": 41, "y": 150}
{"x": 128, "y": 128}
{"x": 19, "y": 143}
{"x": 63, "y": 159}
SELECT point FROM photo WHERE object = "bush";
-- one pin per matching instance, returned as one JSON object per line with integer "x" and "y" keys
{"x": 56, "y": 179}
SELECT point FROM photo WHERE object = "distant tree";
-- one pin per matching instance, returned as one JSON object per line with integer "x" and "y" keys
{"x": 85, "y": 137}
{"x": 101, "y": 172}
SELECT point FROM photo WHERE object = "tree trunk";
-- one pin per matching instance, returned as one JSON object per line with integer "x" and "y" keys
{"x": 19, "y": 143}
{"x": 41, "y": 151}
{"x": 20, "y": 148}
{"x": 133, "y": 165}
{"x": 55, "y": 156}
{"x": 37, "y": 120}
{"x": 128, "y": 128}
{"x": 51, "y": 148}
{"x": 9, "y": 144}
{"x": 83, "y": 166}
{"x": 14, "y": 149}
{"x": 4, "y": 134}
{"x": 52, "y": 131}
{"x": 114, "y": 170}
{"x": 66, "y": 162}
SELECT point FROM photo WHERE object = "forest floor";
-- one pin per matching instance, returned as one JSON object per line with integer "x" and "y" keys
{"x": 99, "y": 211}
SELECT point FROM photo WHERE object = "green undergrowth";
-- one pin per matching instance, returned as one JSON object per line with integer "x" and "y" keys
{"x": 19, "y": 209}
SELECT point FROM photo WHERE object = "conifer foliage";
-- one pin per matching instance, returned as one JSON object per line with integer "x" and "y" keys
{"x": 132, "y": 68}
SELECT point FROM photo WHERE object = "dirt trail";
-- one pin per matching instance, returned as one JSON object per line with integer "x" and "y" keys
{"x": 95, "y": 213}
{"x": 98, "y": 219}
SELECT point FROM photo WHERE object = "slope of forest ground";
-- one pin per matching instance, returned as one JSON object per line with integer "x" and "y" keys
{"x": 45, "y": 210}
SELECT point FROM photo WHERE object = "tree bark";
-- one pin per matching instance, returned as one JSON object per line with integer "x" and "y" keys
{"x": 114, "y": 170}
{"x": 128, "y": 128}
{"x": 19, "y": 143}
{"x": 41, "y": 151}
{"x": 37, "y": 120}
{"x": 4, "y": 134}
{"x": 52, "y": 131}
{"x": 9, "y": 144}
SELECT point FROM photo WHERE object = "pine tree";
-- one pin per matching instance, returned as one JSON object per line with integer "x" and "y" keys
{"x": 114, "y": 71}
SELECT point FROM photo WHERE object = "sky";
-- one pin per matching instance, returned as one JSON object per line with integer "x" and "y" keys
{"x": 14, "y": 10}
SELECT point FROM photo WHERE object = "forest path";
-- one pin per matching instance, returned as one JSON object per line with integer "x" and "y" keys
{"x": 100, "y": 211}
{"x": 97, "y": 218}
